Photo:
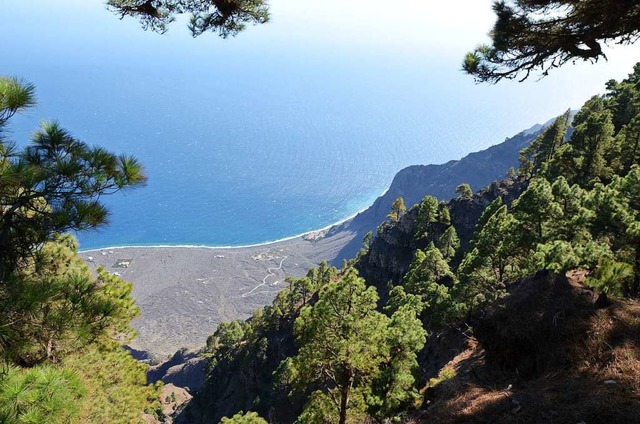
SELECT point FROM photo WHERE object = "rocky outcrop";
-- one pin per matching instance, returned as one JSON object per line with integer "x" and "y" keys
{"x": 185, "y": 369}
{"x": 392, "y": 250}
{"x": 172, "y": 399}
{"x": 244, "y": 381}
{"x": 478, "y": 169}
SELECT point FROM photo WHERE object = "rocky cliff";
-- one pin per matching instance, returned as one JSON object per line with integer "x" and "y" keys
{"x": 478, "y": 169}
{"x": 245, "y": 381}
{"x": 392, "y": 250}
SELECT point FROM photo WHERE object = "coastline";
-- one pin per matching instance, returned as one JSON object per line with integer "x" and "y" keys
{"x": 245, "y": 246}
{"x": 184, "y": 292}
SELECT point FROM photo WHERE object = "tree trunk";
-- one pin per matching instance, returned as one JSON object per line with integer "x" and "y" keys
{"x": 632, "y": 156}
{"x": 540, "y": 240}
{"x": 636, "y": 274}
{"x": 344, "y": 402}
{"x": 344, "y": 398}
{"x": 4, "y": 237}
{"x": 50, "y": 350}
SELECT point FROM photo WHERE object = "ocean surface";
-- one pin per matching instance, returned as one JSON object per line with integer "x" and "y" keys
{"x": 261, "y": 137}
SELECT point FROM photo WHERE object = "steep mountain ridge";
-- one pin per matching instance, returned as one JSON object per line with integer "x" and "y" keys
{"x": 478, "y": 169}
{"x": 548, "y": 322}
{"x": 391, "y": 252}
{"x": 549, "y": 352}
{"x": 246, "y": 380}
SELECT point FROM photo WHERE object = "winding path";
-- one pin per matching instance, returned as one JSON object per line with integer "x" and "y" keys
{"x": 270, "y": 273}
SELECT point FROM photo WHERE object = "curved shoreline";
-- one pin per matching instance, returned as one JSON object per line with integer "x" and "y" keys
{"x": 195, "y": 288}
{"x": 244, "y": 246}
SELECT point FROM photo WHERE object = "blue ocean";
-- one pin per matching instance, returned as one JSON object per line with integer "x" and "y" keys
{"x": 264, "y": 136}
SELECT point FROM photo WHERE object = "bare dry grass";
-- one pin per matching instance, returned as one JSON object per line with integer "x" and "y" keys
{"x": 596, "y": 381}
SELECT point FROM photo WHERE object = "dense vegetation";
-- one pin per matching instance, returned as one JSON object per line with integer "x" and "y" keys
{"x": 330, "y": 349}
{"x": 62, "y": 326}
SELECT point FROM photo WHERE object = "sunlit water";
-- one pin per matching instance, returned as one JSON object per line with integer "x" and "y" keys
{"x": 258, "y": 138}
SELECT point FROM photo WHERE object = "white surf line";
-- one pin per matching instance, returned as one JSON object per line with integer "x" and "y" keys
{"x": 242, "y": 246}
{"x": 264, "y": 280}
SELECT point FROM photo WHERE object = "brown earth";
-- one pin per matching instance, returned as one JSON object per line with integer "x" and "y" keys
{"x": 586, "y": 371}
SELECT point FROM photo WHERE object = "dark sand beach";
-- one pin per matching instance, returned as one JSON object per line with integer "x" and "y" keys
{"x": 184, "y": 292}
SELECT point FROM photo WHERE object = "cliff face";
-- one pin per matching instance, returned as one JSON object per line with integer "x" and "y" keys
{"x": 246, "y": 380}
{"x": 392, "y": 250}
{"x": 478, "y": 169}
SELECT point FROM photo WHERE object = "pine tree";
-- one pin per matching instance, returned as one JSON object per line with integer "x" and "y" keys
{"x": 241, "y": 418}
{"x": 629, "y": 140}
{"x": 227, "y": 18}
{"x": 397, "y": 210}
{"x": 611, "y": 277}
{"x": 346, "y": 346}
{"x": 496, "y": 243}
{"x": 536, "y": 211}
{"x": 444, "y": 216}
{"x": 537, "y": 36}
{"x": 544, "y": 147}
{"x": 626, "y": 191}
{"x": 59, "y": 319}
{"x": 42, "y": 394}
{"x": 576, "y": 218}
{"x": 625, "y": 98}
{"x": 492, "y": 260}
{"x": 591, "y": 139}
{"x": 464, "y": 191}
{"x": 55, "y": 305}
{"x": 395, "y": 388}
{"x": 52, "y": 185}
{"x": 429, "y": 277}
{"x": 487, "y": 213}
{"x": 342, "y": 344}
{"x": 449, "y": 243}
{"x": 427, "y": 215}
